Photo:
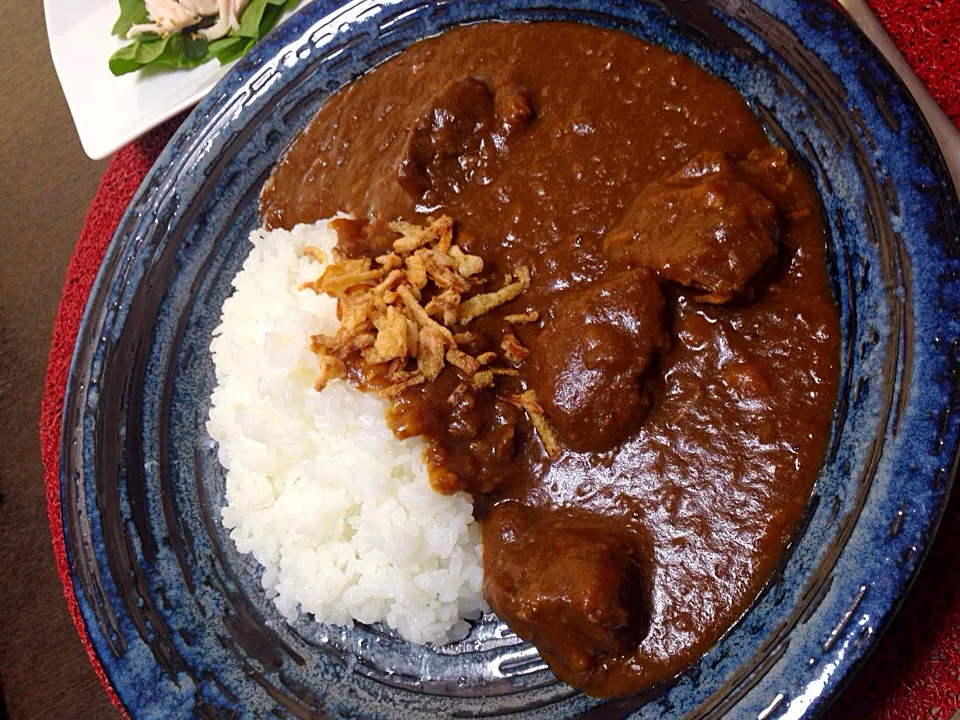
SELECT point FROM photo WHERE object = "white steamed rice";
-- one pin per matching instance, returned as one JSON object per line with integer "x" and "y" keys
{"x": 338, "y": 511}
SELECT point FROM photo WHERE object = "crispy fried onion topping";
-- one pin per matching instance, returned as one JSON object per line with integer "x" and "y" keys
{"x": 406, "y": 312}
{"x": 528, "y": 403}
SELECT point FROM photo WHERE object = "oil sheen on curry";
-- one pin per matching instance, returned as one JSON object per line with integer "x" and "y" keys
{"x": 675, "y": 338}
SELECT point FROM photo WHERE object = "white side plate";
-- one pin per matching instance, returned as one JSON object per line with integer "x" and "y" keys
{"x": 111, "y": 111}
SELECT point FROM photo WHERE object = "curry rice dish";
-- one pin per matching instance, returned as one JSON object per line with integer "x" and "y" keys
{"x": 575, "y": 265}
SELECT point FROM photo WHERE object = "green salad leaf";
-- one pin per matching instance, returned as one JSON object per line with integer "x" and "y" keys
{"x": 132, "y": 12}
{"x": 230, "y": 48}
{"x": 172, "y": 51}
{"x": 186, "y": 50}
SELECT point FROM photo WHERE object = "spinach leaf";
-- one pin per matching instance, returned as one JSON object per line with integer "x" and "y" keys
{"x": 174, "y": 51}
{"x": 261, "y": 15}
{"x": 132, "y": 12}
{"x": 230, "y": 48}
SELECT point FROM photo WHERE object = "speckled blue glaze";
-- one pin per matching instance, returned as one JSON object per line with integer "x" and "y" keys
{"x": 175, "y": 613}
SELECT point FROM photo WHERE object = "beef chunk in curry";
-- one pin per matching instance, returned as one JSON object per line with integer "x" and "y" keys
{"x": 479, "y": 442}
{"x": 460, "y": 137}
{"x": 642, "y": 195}
{"x": 573, "y": 589}
{"x": 591, "y": 358}
{"x": 706, "y": 228}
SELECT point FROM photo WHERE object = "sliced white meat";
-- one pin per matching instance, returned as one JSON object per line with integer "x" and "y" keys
{"x": 228, "y": 20}
{"x": 205, "y": 8}
{"x": 166, "y": 17}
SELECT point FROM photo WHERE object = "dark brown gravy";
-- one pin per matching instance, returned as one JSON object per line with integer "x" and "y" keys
{"x": 651, "y": 539}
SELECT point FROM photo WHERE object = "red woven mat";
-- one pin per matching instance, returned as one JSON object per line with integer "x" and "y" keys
{"x": 913, "y": 674}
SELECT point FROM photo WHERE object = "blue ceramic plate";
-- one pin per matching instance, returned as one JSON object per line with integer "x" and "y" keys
{"x": 176, "y": 615}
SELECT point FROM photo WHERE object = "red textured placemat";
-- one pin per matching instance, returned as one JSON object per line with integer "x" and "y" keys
{"x": 124, "y": 175}
{"x": 914, "y": 673}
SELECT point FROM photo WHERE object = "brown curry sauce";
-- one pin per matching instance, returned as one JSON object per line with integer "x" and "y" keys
{"x": 692, "y": 389}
